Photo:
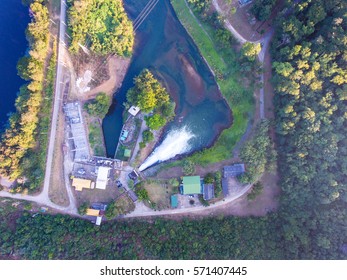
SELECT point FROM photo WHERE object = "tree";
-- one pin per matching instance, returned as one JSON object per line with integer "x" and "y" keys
{"x": 148, "y": 94}
{"x": 147, "y": 136}
{"x": 250, "y": 50}
{"x": 99, "y": 106}
{"x": 103, "y": 26}
{"x": 262, "y": 9}
{"x": 155, "y": 122}
{"x": 142, "y": 193}
{"x": 82, "y": 210}
{"x": 209, "y": 178}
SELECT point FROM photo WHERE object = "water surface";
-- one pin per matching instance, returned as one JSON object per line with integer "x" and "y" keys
{"x": 14, "y": 18}
{"x": 163, "y": 46}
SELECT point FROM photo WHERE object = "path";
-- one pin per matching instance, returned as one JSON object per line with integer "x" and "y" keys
{"x": 264, "y": 41}
{"x": 139, "y": 139}
{"x": 143, "y": 211}
{"x": 43, "y": 197}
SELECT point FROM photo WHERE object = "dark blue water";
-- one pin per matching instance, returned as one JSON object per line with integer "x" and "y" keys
{"x": 14, "y": 18}
{"x": 164, "y": 47}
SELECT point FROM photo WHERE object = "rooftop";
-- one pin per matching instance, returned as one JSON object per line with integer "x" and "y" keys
{"x": 234, "y": 170}
{"x": 81, "y": 184}
{"x": 192, "y": 185}
{"x": 101, "y": 180}
{"x": 208, "y": 191}
{"x": 134, "y": 110}
{"x": 92, "y": 212}
{"x": 174, "y": 201}
{"x": 127, "y": 153}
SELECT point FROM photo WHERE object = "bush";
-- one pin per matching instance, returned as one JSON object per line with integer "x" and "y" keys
{"x": 204, "y": 202}
{"x": 82, "y": 210}
{"x": 99, "y": 106}
{"x": 155, "y": 122}
{"x": 256, "y": 190}
{"x": 188, "y": 167}
{"x": 209, "y": 179}
{"x": 147, "y": 136}
{"x": 142, "y": 193}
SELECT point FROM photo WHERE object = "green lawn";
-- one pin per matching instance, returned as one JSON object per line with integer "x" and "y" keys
{"x": 223, "y": 62}
{"x": 159, "y": 192}
{"x": 96, "y": 138}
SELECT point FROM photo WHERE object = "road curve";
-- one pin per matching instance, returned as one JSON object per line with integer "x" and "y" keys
{"x": 264, "y": 41}
{"x": 43, "y": 197}
{"x": 143, "y": 211}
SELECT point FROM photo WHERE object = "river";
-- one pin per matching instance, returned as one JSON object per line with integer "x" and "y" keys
{"x": 164, "y": 47}
{"x": 14, "y": 18}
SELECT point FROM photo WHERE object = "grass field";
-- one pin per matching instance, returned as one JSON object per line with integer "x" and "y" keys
{"x": 96, "y": 140}
{"x": 223, "y": 62}
{"x": 160, "y": 192}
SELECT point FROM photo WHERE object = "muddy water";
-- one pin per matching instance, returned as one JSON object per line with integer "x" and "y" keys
{"x": 163, "y": 46}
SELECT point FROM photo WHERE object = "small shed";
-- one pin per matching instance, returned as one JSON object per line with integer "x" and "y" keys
{"x": 174, "y": 201}
{"x": 92, "y": 212}
{"x": 127, "y": 153}
{"x": 134, "y": 110}
{"x": 208, "y": 191}
{"x": 192, "y": 185}
{"x": 99, "y": 206}
{"x": 234, "y": 170}
{"x": 81, "y": 184}
{"x": 98, "y": 221}
{"x": 124, "y": 135}
{"x": 225, "y": 186}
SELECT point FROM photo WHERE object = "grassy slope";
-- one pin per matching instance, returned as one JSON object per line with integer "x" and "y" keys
{"x": 224, "y": 64}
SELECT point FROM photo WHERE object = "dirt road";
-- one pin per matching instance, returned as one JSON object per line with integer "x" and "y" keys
{"x": 264, "y": 41}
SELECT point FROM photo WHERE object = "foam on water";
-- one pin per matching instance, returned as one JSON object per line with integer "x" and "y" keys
{"x": 175, "y": 143}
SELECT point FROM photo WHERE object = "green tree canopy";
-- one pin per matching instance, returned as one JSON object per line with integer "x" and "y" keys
{"x": 101, "y": 25}
{"x": 250, "y": 50}
{"x": 148, "y": 93}
{"x": 99, "y": 106}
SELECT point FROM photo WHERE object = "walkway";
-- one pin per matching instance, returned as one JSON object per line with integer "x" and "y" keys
{"x": 143, "y": 211}
{"x": 264, "y": 41}
{"x": 43, "y": 197}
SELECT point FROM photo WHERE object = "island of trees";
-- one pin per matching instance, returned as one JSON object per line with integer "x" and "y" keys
{"x": 152, "y": 98}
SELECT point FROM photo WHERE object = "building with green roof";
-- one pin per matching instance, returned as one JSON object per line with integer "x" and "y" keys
{"x": 127, "y": 153}
{"x": 191, "y": 185}
{"x": 174, "y": 201}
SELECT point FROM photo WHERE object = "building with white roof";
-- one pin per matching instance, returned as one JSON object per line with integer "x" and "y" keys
{"x": 134, "y": 110}
{"x": 101, "y": 180}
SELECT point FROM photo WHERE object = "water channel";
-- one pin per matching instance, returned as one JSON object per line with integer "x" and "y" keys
{"x": 164, "y": 47}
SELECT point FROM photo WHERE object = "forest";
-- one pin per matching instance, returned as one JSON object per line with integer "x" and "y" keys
{"x": 310, "y": 79}
{"x": 21, "y": 151}
{"x": 102, "y": 26}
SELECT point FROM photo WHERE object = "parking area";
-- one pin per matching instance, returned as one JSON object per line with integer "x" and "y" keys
{"x": 188, "y": 201}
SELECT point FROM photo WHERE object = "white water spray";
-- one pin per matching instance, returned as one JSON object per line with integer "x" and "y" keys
{"x": 175, "y": 143}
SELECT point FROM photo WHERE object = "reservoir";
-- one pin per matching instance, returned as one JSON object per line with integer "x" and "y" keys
{"x": 164, "y": 47}
{"x": 14, "y": 18}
